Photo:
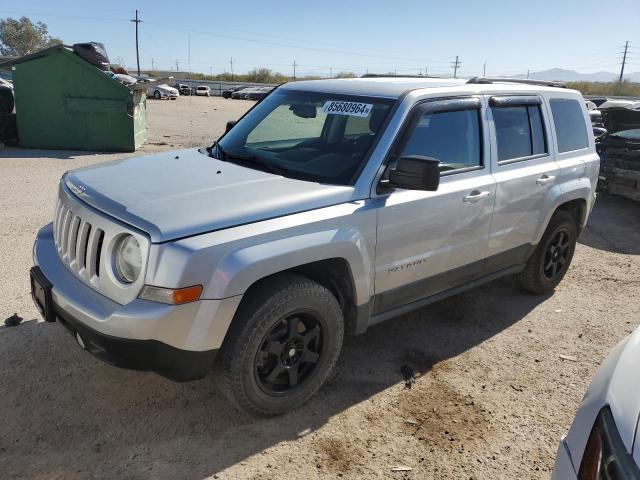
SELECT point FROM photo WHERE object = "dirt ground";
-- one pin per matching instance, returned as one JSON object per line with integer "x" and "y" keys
{"x": 491, "y": 401}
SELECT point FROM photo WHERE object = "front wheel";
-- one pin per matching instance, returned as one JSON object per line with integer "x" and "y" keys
{"x": 282, "y": 345}
{"x": 157, "y": 95}
{"x": 551, "y": 259}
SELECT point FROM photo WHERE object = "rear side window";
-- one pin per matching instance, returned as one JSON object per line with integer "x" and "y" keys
{"x": 519, "y": 131}
{"x": 451, "y": 137}
{"x": 571, "y": 129}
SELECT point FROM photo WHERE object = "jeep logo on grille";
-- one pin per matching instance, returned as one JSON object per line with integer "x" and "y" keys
{"x": 77, "y": 189}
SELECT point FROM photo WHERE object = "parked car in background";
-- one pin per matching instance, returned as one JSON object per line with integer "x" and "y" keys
{"x": 7, "y": 99}
{"x": 227, "y": 93}
{"x": 203, "y": 91}
{"x": 600, "y": 443}
{"x": 161, "y": 91}
{"x": 598, "y": 100}
{"x": 245, "y": 92}
{"x": 259, "y": 93}
{"x": 183, "y": 89}
{"x": 619, "y": 150}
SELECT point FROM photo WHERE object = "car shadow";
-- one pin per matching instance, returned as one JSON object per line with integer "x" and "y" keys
{"x": 613, "y": 225}
{"x": 66, "y": 414}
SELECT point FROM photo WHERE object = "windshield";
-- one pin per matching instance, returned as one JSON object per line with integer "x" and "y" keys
{"x": 633, "y": 134}
{"x": 318, "y": 137}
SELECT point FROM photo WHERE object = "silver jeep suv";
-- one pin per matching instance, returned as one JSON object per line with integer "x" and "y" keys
{"x": 330, "y": 206}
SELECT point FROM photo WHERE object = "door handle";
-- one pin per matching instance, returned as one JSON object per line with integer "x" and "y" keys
{"x": 544, "y": 179}
{"x": 476, "y": 196}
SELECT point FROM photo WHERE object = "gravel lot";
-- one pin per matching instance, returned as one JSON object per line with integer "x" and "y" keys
{"x": 491, "y": 401}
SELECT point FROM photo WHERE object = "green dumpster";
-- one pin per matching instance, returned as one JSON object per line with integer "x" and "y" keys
{"x": 64, "y": 102}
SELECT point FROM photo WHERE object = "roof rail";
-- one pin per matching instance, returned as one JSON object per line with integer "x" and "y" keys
{"x": 391, "y": 75}
{"x": 526, "y": 81}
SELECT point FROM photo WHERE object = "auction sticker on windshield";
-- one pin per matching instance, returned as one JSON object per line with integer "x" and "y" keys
{"x": 355, "y": 109}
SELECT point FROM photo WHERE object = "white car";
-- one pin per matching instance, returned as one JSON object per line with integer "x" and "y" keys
{"x": 203, "y": 91}
{"x": 162, "y": 91}
{"x": 600, "y": 443}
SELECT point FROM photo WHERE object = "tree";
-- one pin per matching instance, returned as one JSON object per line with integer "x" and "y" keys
{"x": 22, "y": 37}
{"x": 345, "y": 75}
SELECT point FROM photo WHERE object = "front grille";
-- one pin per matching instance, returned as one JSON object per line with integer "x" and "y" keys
{"x": 79, "y": 243}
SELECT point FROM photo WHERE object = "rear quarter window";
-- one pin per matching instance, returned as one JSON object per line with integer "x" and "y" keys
{"x": 570, "y": 125}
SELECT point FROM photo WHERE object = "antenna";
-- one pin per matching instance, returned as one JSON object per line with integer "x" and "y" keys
{"x": 137, "y": 21}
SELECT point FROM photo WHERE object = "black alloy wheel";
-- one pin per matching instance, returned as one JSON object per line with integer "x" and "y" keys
{"x": 289, "y": 353}
{"x": 557, "y": 255}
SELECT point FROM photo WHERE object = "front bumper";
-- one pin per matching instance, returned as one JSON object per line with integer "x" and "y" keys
{"x": 179, "y": 342}
{"x": 563, "y": 468}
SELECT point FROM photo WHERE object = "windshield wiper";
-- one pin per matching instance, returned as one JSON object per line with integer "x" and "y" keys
{"x": 218, "y": 148}
{"x": 252, "y": 159}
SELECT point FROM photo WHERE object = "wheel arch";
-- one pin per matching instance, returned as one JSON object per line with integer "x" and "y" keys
{"x": 332, "y": 273}
{"x": 574, "y": 202}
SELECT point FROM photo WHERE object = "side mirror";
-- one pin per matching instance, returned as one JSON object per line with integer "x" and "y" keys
{"x": 416, "y": 172}
{"x": 230, "y": 125}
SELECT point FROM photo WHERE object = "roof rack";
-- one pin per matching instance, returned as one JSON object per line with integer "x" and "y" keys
{"x": 391, "y": 75}
{"x": 526, "y": 81}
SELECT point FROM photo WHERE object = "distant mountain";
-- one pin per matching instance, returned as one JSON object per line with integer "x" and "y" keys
{"x": 563, "y": 75}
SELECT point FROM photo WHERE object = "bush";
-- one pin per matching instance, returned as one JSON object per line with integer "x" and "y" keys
{"x": 623, "y": 89}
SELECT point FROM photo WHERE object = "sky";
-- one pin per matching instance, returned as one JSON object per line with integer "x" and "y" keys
{"x": 375, "y": 36}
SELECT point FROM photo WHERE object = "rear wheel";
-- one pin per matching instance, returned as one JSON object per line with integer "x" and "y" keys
{"x": 551, "y": 259}
{"x": 282, "y": 345}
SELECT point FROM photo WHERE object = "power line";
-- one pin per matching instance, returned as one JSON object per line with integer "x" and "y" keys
{"x": 137, "y": 21}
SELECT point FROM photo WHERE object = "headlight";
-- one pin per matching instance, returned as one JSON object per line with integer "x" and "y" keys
{"x": 605, "y": 455}
{"x": 128, "y": 259}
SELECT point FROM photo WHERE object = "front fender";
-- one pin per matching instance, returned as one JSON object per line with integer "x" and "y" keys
{"x": 229, "y": 261}
{"x": 239, "y": 269}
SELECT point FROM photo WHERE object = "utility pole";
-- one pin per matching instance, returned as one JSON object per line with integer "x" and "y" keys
{"x": 624, "y": 60}
{"x": 330, "y": 72}
{"x": 177, "y": 65}
{"x": 294, "y": 69}
{"x": 527, "y": 74}
{"x": 455, "y": 66}
{"x": 137, "y": 21}
{"x": 484, "y": 69}
{"x": 231, "y": 63}
{"x": 425, "y": 71}
{"x": 152, "y": 64}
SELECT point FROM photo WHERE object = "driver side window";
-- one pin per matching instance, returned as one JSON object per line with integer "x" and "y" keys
{"x": 451, "y": 137}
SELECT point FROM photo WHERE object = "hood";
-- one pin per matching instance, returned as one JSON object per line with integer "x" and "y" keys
{"x": 617, "y": 119}
{"x": 182, "y": 193}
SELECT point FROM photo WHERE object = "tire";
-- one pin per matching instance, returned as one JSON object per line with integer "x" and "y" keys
{"x": 270, "y": 362}
{"x": 550, "y": 261}
{"x": 157, "y": 95}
